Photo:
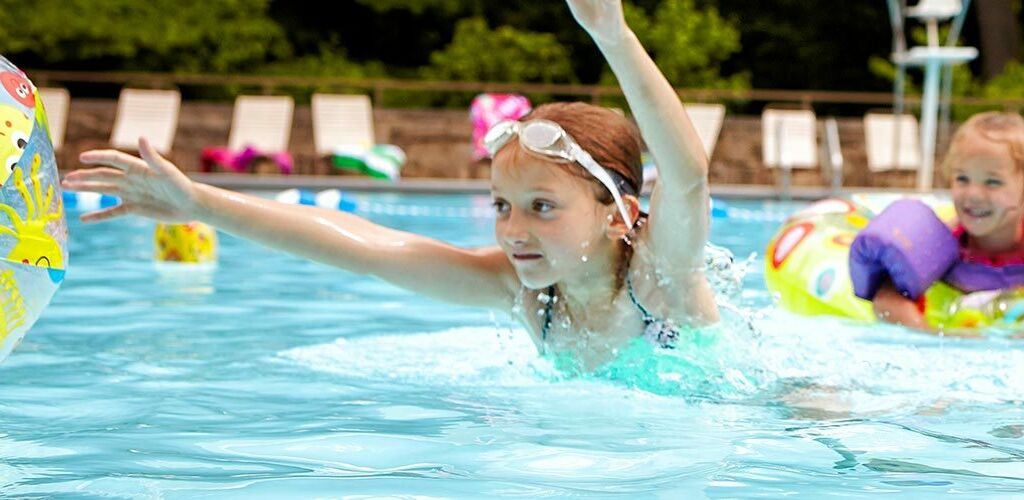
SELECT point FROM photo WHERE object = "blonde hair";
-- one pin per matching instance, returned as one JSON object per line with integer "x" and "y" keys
{"x": 993, "y": 126}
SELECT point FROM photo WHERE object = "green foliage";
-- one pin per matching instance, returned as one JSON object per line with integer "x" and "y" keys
{"x": 504, "y": 54}
{"x": 688, "y": 44}
{"x": 809, "y": 44}
{"x": 697, "y": 43}
{"x": 415, "y": 6}
{"x": 329, "y": 61}
{"x": 168, "y": 35}
{"x": 1008, "y": 85}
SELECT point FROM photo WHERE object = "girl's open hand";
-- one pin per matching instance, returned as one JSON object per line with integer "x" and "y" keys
{"x": 149, "y": 185}
{"x": 603, "y": 19}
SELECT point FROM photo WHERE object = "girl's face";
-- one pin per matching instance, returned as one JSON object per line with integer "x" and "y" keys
{"x": 988, "y": 189}
{"x": 549, "y": 223}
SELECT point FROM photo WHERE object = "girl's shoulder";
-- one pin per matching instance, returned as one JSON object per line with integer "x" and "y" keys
{"x": 668, "y": 290}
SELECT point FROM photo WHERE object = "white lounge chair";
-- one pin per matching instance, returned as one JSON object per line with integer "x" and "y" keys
{"x": 707, "y": 119}
{"x": 892, "y": 142}
{"x": 152, "y": 114}
{"x": 56, "y": 101}
{"x": 789, "y": 139}
{"x": 341, "y": 120}
{"x": 263, "y": 122}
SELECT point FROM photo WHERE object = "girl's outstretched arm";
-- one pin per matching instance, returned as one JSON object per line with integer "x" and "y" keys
{"x": 679, "y": 204}
{"x": 153, "y": 187}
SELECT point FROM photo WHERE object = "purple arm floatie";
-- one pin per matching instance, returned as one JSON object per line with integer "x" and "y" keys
{"x": 907, "y": 243}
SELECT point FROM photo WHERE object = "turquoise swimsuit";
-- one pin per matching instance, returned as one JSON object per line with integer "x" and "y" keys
{"x": 660, "y": 332}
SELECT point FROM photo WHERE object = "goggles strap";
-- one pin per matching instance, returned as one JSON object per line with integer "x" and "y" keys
{"x": 615, "y": 183}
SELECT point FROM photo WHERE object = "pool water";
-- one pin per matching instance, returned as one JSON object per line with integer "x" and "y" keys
{"x": 275, "y": 377}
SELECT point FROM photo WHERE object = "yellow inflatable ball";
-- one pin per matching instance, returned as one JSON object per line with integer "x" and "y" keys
{"x": 192, "y": 243}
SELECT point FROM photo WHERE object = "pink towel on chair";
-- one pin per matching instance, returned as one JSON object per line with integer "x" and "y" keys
{"x": 242, "y": 161}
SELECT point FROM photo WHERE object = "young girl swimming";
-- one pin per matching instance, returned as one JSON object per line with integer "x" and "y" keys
{"x": 576, "y": 262}
{"x": 986, "y": 163}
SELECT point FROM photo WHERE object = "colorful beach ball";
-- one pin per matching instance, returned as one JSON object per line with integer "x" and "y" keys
{"x": 33, "y": 230}
{"x": 189, "y": 243}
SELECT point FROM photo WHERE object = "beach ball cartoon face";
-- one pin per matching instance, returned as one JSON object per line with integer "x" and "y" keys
{"x": 36, "y": 246}
{"x": 15, "y": 128}
{"x": 39, "y": 252}
{"x": 19, "y": 88}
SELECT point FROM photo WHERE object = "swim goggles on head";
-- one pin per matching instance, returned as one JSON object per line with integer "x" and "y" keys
{"x": 549, "y": 139}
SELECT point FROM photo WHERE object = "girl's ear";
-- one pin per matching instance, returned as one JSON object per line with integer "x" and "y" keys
{"x": 619, "y": 228}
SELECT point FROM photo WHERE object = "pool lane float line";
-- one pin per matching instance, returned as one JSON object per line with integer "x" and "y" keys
{"x": 723, "y": 210}
{"x": 335, "y": 199}
{"x": 33, "y": 228}
{"x": 807, "y": 265}
{"x": 88, "y": 201}
{"x": 328, "y": 198}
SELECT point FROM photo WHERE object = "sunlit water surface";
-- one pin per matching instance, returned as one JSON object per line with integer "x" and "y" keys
{"x": 275, "y": 377}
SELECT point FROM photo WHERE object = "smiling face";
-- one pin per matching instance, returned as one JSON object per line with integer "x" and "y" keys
{"x": 18, "y": 87}
{"x": 549, "y": 223}
{"x": 987, "y": 189}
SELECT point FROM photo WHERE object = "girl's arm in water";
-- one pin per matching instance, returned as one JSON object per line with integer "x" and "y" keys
{"x": 891, "y": 306}
{"x": 153, "y": 187}
{"x": 678, "y": 226}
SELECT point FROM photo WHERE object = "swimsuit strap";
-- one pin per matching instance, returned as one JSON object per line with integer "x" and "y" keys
{"x": 547, "y": 313}
{"x": 664, "y": 335}
{"x": 662, "y": 332}
{"x": 648, "y": 319}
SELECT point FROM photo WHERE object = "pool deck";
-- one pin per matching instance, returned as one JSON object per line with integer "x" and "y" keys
{"x": 482, "y": 186}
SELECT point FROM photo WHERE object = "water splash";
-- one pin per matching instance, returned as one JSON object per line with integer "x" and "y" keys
{"x": 723, "y": 272}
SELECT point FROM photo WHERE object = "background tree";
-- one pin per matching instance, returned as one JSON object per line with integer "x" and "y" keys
{"x": 999, "y": 34}
{"x": 172, "y": 35}
{"x": 689, "y": 44}
{"x": 504, "y": 54}
{"x": 797, "y": 44}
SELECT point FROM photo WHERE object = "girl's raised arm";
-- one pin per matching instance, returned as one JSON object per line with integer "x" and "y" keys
{"x": 153, "y": 187}
{"x": 679, "y": 204}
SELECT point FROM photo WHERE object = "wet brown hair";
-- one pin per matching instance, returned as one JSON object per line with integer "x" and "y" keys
{"x": 993, "y": 126}
{"x": 613, "y": 141}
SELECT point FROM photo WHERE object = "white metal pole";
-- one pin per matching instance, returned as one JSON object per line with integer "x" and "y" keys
{"x": 929, "y": 115}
